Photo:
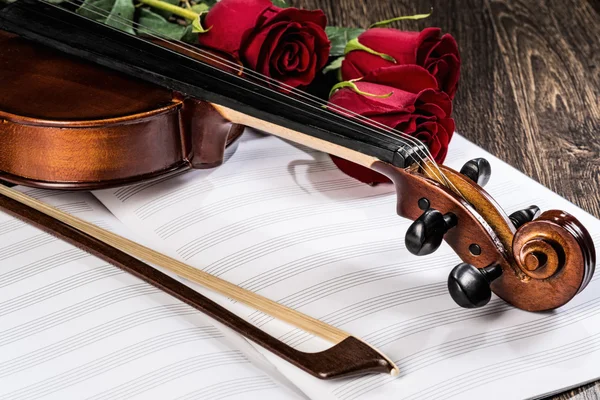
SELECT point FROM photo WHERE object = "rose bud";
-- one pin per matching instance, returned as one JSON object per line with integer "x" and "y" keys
{"x": 384, "y": 47}
{"x": 406, "y": 98}
{"x": 286, "y": 44}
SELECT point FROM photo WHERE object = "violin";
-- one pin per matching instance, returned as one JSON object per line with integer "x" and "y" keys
{"x": 180, "y": 107}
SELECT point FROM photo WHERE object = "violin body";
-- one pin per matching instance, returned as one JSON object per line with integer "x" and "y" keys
{"x": 70, "y": 124}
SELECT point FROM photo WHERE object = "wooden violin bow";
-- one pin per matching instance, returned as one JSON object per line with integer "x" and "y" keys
{"x": 535, "y": 262}
{"x": 349, "y": 356}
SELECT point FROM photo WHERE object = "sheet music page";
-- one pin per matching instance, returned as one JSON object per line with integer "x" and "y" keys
{"x": 73, "y": 326}
{"x": 282, "y": 221}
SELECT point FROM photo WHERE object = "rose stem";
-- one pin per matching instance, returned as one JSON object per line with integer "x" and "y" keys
{"x": 182, "y": 12}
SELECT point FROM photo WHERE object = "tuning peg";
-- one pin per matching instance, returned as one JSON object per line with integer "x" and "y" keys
{"x": 425, "y": 235}
{"x": 470, "y": 286}
{"x": 478, "y": 170}
{"x": 528, "y": 214}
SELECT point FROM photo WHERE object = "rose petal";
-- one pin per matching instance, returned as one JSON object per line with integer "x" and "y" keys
{"x": 357, "y": 64}
{"x": 275, "y": 14}
{"x": 225, "y": 35}
{"x": 304, "y": 79}
{"x": 428, "y": 49}
{"x": 427, "y": 40}
{"x": 259, "y": 48}
{"x": 448, "y": 71}
{"x": 321, "y": 44}
{"x": 401, "y": 45}
{"x": 443, "y": 60}
{"x": 439, "y": 98}
{"x": 446, "y": 45}
{"x": 283, "y": 58}
{"x": 397, "y": 102}
{"x": 411, "y": 78}
{"x": 307, "y": 50}
{"x": 424, "y": 116}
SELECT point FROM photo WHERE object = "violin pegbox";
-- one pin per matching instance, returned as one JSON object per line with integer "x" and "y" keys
{"x": 553, "y": 260}
{"x": 533, "y": 261}
{"x": 470, "y": 286}
{"x": 551, "y": 256}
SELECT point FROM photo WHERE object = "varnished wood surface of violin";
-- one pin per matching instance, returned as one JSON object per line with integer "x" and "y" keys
{"x": 68, "y": 123}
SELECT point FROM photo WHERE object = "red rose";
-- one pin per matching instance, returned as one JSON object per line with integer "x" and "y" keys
{"x": 286, "y": 44}
{"x": 428, "y": 48}
{"x": 415, "y": 107}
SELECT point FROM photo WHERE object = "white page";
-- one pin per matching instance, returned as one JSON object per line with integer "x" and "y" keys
{"x": 73, "y": 326}
{"x": 283, "y": 221}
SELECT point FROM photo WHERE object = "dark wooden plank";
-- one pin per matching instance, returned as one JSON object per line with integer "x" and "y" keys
{"x": 530, "y": 85}
{"x": 551, "y": 64}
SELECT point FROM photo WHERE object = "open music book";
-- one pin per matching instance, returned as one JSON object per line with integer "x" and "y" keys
{"x": 280, "y": 220}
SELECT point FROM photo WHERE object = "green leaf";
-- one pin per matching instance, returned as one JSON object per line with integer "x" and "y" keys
{"x": 115, "y": 13}
{"x": 383, "y": 24}
{"x": 339, "y": 37}
{"x": 200, "y": 8}
{"x": 152, "y": 23}
{"x": 280, "y": 3}
{"x": 197, "y": 26}
{"x": 335, "y": 64}
{"x": 189, "y": 36}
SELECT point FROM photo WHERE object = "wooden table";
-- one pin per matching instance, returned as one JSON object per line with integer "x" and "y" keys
{"x": 530, "y": 85}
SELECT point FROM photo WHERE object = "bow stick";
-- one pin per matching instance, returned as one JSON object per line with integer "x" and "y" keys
{"x": 349, "y": 355}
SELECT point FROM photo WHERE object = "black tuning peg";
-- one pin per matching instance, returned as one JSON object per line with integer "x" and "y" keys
{"x": 528, "y": 214}
{"x": 470, "y": 286}
{"x": 478, "y": 170}
{"x": 425, "y": 235}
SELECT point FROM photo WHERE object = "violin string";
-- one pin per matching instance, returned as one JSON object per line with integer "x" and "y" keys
{"x": 299, "y": 93}
{"x": 269, "y": 81}
{"x": 222, "y": 61}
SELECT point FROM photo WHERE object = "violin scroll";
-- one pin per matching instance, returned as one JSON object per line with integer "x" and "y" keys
{"x": 555, "y": 248}
{"x": 535, "y": 264}
{"x": 553, "y": 259}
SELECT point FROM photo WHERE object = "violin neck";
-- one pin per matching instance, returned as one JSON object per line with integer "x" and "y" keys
{"x": 235, "y": 97}
{"x": 299, "y": 137}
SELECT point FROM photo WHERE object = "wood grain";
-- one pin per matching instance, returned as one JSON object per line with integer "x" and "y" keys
{"x": 530, "y": 85}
